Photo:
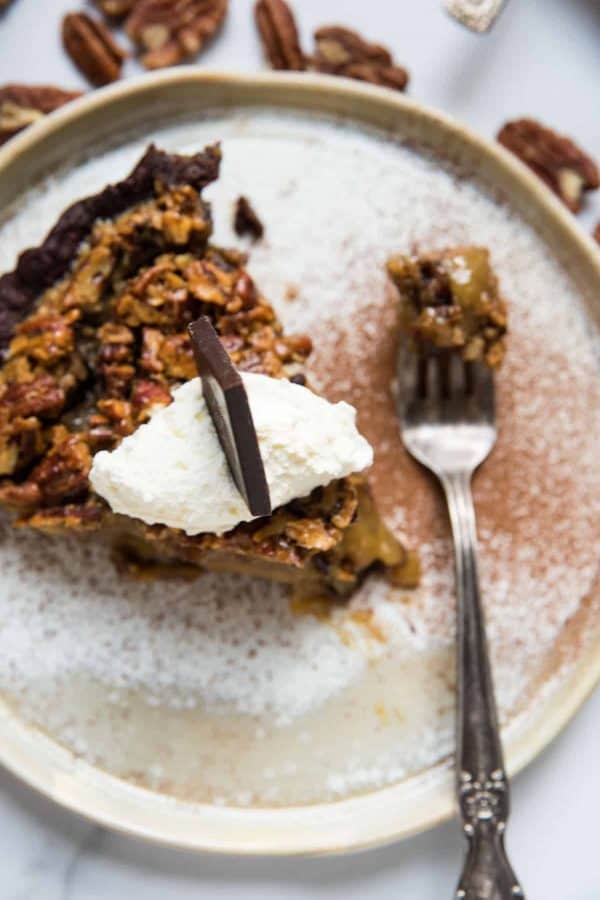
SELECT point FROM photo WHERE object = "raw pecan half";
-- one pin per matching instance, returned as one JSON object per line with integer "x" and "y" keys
{"x": 115, "y": 9}
{"x": 337, "y": 47}
{"x": 279, "y": 33}
{"x": 168, "y": 31}
{"x": 246, "y": 221}
{"x": 23, "y": 104}
{"x": 341, "y": 51}
{"x": 92, "y": 48}
{"x": 394, "y": 77}
{"x": 556, "y": 159}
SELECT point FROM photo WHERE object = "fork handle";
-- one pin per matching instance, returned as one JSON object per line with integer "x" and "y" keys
{"x": 482, "y": 785}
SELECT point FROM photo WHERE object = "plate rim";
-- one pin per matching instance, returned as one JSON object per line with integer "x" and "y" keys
{"x": 380, "y": 816}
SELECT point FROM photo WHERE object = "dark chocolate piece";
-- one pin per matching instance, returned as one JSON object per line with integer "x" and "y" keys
{"x": 40, "y": 267}
{"x": 246, "y": 221}
{"x": 228, "y": 405}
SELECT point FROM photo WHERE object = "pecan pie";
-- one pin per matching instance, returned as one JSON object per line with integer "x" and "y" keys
{"x": 93, "y": 328}
{"x": 451, "y": 300}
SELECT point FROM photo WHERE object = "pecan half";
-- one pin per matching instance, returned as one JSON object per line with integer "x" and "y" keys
{"x": 394, "y": 77}
{"x": 556, "y": 159}
{"x": 279, "y": 33}
{"x": 341, "y": 51}
{"x": 23, "y": 104}
{"x": 115, "y": 9}
{"x": 168, "y": 31}
{"x": 246, "y": 221}
{"x": 337, "y": 47}
{"x": 92, "y": 48}
{"x": 597, "y": 232}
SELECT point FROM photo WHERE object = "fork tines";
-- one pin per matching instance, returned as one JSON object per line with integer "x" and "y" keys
{"x": 443, "y": 383}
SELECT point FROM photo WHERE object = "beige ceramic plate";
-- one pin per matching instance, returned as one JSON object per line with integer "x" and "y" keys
{"x": 416, "y": 796}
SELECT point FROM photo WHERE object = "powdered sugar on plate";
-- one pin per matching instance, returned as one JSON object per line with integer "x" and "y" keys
{"x": 280, "y": 707}
{"x": 180, "y": 646}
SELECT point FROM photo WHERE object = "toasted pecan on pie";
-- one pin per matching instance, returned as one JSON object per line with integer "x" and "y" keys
{"x": 93, "y": 328}
{"x": 451, "y": 300}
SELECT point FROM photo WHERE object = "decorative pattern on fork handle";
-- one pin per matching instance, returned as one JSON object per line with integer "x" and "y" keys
{"x": 487, "y": 874}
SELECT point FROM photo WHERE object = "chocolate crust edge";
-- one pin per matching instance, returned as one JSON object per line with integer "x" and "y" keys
{"x": 39, "y": 267}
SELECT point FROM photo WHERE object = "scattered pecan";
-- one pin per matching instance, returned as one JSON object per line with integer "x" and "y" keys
{"x": 246, "y": 221}
{"x": 597, "y": 232}
{"x": 394, "y": 77}
{"x": 168, "y": 31}
{"x": 279, "y": 32}
{"x": 23, "y": 104}
{"x": 92, "y": 48}
{"x": 341, "y": 51}
{"x": 338, "y": 47}
{"x": 116, "y": 9}
{"x": 556, "y": 159}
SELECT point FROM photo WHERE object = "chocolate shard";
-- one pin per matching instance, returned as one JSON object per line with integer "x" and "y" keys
{"x": 229, "y": 408}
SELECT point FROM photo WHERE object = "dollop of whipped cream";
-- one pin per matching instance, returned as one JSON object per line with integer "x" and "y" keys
{"x": 173, "y": 471}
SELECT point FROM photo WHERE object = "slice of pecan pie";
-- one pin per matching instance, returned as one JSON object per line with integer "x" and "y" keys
{"x": 93, "y": 329}
{"x": 451, "y": 300}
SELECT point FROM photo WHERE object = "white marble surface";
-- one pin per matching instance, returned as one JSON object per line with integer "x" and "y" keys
{"x": 541, "y": 59}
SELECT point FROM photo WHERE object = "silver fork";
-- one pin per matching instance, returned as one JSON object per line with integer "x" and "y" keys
{"x": 447, "y": 415}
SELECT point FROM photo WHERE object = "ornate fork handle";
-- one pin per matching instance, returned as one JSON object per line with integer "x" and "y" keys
{"x": 482, "y": 786}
